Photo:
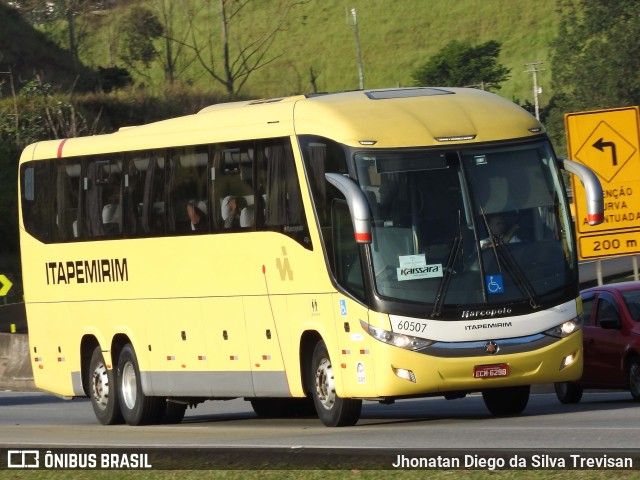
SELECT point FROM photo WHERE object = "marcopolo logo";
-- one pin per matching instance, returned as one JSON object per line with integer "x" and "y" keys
{"x": 486, "y": 313}
{"x": 23, "y": 459}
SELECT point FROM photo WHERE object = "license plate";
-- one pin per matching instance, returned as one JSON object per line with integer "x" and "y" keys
{"x": 491, "y": 371}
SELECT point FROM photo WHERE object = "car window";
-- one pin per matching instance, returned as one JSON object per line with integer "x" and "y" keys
{"x": 587, "y": 306}
{"x": 607, "y": 310}
{"x": 632, "y": 299}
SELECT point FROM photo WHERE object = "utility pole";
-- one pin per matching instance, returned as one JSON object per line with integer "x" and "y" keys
{"x": 354, "y": 14}
{"x": 533, "y": 68}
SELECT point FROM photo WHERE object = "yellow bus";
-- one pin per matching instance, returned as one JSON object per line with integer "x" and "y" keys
{"x": 303, "y": 253}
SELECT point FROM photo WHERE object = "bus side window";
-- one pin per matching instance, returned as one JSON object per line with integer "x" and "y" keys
{"x": 145, "y": 195}
{"x": 348, "y": 265}
{"x": 66, "y": 201}
{"x": 188, "y": 190}
{"x": 320, "y": 156}
{"x": 102, "y": 197}
{"x": 280, "y": 188}
{"x": 233, "y": 193}
{"x": 36, "y": 202}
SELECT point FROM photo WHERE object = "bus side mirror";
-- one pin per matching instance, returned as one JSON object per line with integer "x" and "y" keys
{"x": 592, "y": 187}
{"x": 358, "y": 206}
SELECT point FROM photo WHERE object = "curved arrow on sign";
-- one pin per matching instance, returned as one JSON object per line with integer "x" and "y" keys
{"x": 600, "y": 145}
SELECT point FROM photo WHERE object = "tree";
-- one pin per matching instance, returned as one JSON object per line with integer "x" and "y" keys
{"x": 595, "y": 58}
{"x": 140, "y": 29}
{"x": 174, "y": 61}
{"x": 460, "y": 64}
{"x": 596, "y": 55}
{"x": 46, "y": 12}
{"x": 242, "y": 52}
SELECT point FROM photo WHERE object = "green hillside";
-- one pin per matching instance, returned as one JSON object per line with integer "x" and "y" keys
{"x": 25, "y": 53}
{"x": 396, "y": 37}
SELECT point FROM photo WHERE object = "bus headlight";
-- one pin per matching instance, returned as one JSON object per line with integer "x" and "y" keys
{"x": 565, "y": 329}
{"x": 398, "y": 339}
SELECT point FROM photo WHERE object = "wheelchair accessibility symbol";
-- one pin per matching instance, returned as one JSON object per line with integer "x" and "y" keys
{"x": 494, "y": 284}
{"x": 343, "y": 307}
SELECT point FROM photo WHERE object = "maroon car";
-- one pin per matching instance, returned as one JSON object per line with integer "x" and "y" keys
{"x": 611, "y": 339}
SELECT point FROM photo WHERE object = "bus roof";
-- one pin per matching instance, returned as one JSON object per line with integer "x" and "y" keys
{"x": 402, "y": 117}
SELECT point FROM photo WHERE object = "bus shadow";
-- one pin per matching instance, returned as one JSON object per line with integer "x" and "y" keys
{"x": 428, "y": 412}
{"x": 443, "y": 410}
{"x": 16, "y": 400}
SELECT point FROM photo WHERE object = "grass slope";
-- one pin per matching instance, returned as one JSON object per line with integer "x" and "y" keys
{"x": 396, "y": 36}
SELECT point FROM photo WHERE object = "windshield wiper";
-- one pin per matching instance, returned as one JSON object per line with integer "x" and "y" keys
{"x": 515, "y": 271}
{"x": 448, "y": 272}
{"x": 501, "y": 252}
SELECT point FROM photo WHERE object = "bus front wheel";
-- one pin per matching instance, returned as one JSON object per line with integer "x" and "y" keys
{"x": 568, "y": 392}
{"x": 506, "y": 400}
{"x": 332, "y": 410}
{"x": 102, "y": 389}
{"x": 136, "y": 407}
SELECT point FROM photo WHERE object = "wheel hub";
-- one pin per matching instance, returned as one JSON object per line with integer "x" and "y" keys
{"x": 100, "y": 386}
{"x": 325, "y": 386}
{"x": 129, "y": 385}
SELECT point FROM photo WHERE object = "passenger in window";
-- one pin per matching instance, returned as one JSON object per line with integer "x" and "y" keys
{"x": 231, "y": 211}
{"x": 197, "y": 217}
{"x": 247, "y": 217}
{"x": 498, "y": 230}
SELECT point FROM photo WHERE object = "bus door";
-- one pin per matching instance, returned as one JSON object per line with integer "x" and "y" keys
{"x": 354, "y": 349}
{"x": 353, "y": 355}
{"x": 278, "y": 262}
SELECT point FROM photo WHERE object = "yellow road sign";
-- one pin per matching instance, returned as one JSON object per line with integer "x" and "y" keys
{"x": 5, "y": 285}
{"x": 607, "y": 142}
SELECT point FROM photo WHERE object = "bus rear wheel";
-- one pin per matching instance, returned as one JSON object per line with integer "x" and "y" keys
{"x": 102, "y": 390}
{"x": 506, "y": 400}
{"x": 332, "y": 410}
{"x": 136, "y": 407}
{"x": 172, "y": 412}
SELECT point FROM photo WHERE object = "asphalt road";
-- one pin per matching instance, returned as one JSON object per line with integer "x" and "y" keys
{"x": 603, "y": 420}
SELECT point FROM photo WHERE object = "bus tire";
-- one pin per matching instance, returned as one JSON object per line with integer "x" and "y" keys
{"x": 136, "y": 407}
{"x": 507, "y": 400}
{"x": 568, "y": 392}
{"x": 332, "y": 410}
{"x": 102, "y": 390}
{"x": 173, "y": 413}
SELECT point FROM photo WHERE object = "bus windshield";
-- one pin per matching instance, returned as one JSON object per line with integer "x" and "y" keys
{"x": 468, "y": 226}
